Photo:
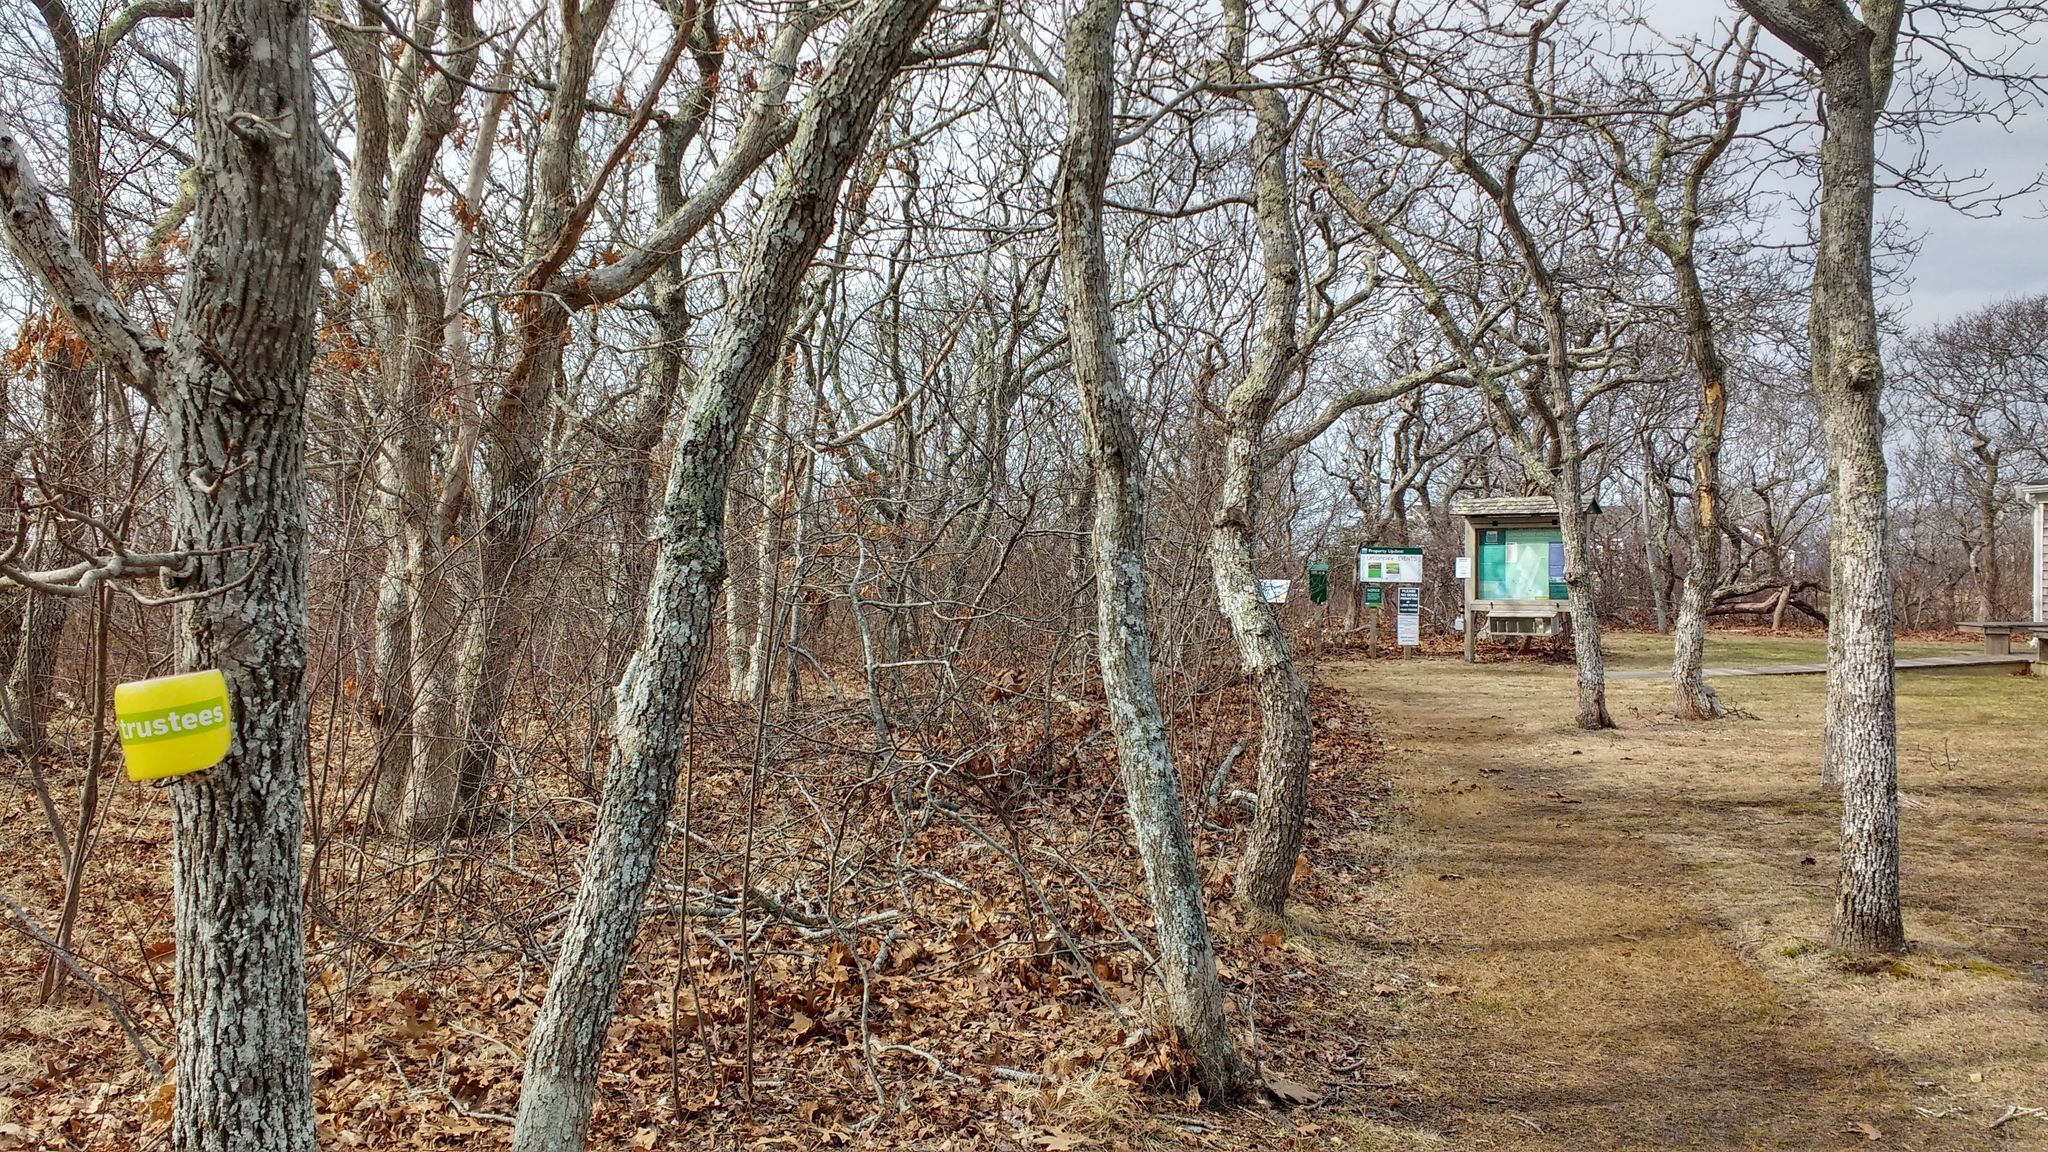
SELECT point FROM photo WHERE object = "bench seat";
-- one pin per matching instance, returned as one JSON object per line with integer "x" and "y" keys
{"x": 1998, "y": 634}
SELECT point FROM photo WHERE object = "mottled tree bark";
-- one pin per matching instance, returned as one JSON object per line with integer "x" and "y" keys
{"x": 231, "y": 381}
{"x": 234, "y": 398}
{"x": 1860, "y": 743}
{"x": 654, "y": 697}
{"x": 1575, "y": 527}
{"x": 1194, "y": 994}
{"x": 1675, "y": 236}
{"x": 404, "y": 111}
{"x": 1266, "y": 873}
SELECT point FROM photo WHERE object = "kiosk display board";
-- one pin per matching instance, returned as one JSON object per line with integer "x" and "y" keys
{"x": 1521, "y": 564}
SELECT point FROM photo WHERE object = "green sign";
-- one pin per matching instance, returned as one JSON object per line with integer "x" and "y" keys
{"x": 1318, "y": 583}
{"x": 1375, "y": 595}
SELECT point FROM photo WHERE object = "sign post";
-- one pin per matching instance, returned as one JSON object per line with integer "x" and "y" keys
{"x": 1408, "y": 626}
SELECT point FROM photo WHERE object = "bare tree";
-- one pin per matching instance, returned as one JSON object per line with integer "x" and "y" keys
{"x": 1860, "y": 740}
{"x": 231, "y": 381}
{"x": 1667, "y": 181}
{"x": 1977, "y": 386}
{"x": 1267, "y": 870}
{"x": 654, "y": 697}
{"x": 1194, "y": 995}
{"x": 1477, "y": 104}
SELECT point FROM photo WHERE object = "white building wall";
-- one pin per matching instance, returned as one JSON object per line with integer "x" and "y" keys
{"x": 2041, "y": 558}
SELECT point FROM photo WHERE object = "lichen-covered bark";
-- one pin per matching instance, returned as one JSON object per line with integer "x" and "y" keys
{"x": 1187, "y": 960}
{"x": 1266, "y": 873}
{"x": 1860, "y": 740}
{"x": 653, "y": 698}
{"x": 404, "y": 112}
{"x": 234, "y": 393}
{"x": 1575, "y": 528}
{"x": 1691, "y": 697}
{"x": 1675, "y": 235}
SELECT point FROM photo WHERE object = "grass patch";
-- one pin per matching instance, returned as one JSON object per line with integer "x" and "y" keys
{"x": 1871, "y": 964}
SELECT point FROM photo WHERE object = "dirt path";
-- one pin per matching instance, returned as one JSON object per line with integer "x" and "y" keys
{"x": 1565, "y": 966}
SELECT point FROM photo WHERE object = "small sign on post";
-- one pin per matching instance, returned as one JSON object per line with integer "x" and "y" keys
{"x": 173, "y": 724}
{"x": 1408, "y": 627}
{"x": 1274, "y": 591}
{"x": 1377, "y": 565}
{"x": 1318, "y": 583}
{"x": 1375, "y": 595}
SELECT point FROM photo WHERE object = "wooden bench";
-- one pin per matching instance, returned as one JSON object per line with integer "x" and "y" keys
{"x": 1998, "y": 633}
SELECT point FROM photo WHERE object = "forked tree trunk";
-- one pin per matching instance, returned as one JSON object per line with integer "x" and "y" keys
{"x": 1266, "y": 873}
{"x": 654, "y": 698}
{"x": 234, "y": 398}
{"x": 1691, "y": 697}
{"x": 1860, "y": 739}
{"x": 1187, "y": 959}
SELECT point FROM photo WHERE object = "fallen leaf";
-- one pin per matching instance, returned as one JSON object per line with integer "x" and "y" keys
{"x": 1291, "y": 1091}
{"x": 1058, "y": 1141}
{"x": 1869, "y": 1130}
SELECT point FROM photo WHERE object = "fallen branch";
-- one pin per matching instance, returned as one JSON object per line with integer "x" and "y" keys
{"x": 64, "y": 955}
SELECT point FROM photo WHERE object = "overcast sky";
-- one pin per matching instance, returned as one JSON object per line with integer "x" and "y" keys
{"x": 1963, "y": 262}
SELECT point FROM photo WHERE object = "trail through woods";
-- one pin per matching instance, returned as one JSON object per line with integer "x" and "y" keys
{"x": 1606, "y": 940}
{"x": 1508, "y": 934}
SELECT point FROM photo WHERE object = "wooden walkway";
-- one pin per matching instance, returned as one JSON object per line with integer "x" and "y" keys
{"x": 1968, "y": 662}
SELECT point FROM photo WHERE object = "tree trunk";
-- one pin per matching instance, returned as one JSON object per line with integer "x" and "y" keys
{"x": 1861, "y": 691}
{"x": 1575, "y": 526}
{"x": 1194, "y": 994}
{"x": 391, "y": 695}
{"x": 1653, "y": 559}
{"x": 654, "y": 697}
{"x": 1984, "y": 562}
{"x": 1273, "y": 846}
{"x": 234, "y": 402}
{"x": 1692, "y": 698}
{"x": 70, "y": 379}
{"x": 1860, "y": 738}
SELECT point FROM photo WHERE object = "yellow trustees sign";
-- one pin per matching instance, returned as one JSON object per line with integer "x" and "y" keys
{"x": 173, "y": 724}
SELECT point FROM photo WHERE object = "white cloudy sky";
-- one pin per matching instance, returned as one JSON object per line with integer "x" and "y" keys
{"x": 1963, "y": 261}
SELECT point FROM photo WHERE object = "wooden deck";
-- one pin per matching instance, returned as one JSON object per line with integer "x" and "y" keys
{"x": 1964, "y": 662}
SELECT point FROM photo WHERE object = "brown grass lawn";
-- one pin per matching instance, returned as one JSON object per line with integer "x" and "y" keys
{"x": 1612, "y": 940}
